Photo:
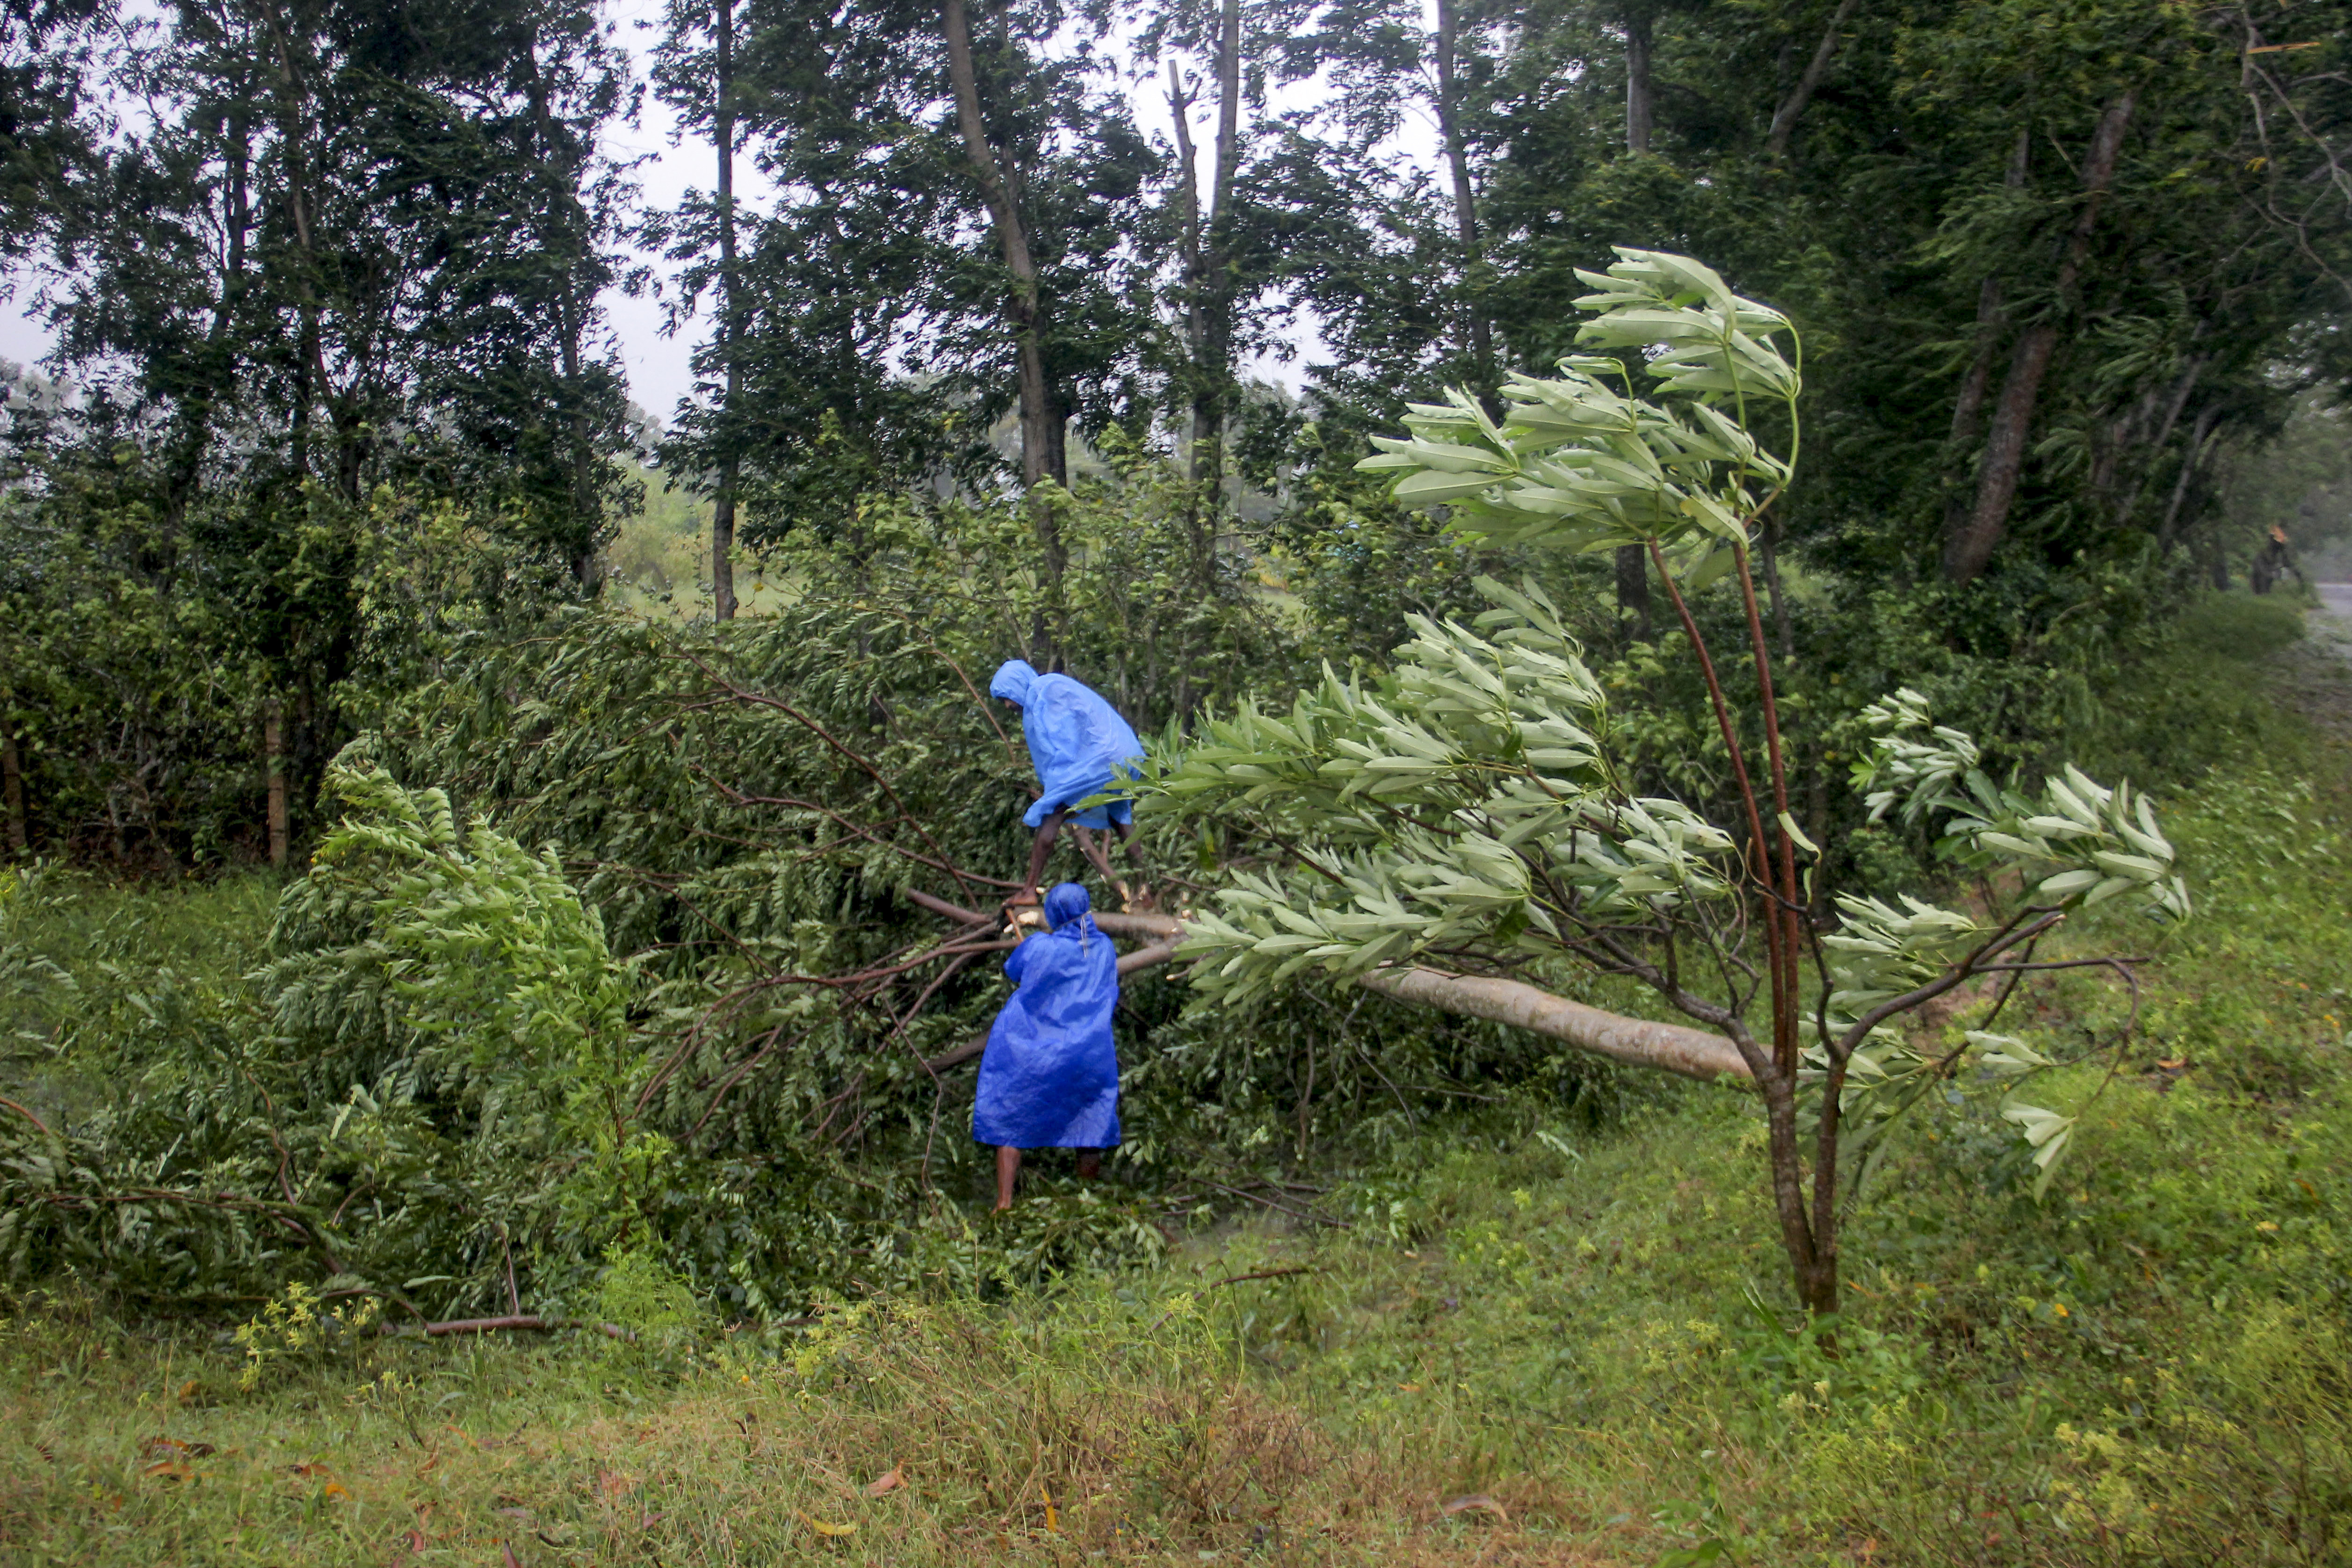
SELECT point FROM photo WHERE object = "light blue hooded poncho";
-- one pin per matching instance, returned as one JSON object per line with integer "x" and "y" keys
{"x": 1049, "y": 1079}
{"x": 1078, "y": 744}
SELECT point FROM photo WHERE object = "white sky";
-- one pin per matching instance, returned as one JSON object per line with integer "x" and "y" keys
{"x": 655, "y": 364}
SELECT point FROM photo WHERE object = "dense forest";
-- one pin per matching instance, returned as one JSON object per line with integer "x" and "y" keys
{"x": 328, "y": 279}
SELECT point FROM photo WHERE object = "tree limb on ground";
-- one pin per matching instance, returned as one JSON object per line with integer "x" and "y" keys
{"x": 1642, "y": 1042}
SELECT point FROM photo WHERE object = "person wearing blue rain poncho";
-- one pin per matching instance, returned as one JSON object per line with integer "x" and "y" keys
{"x": 1049, "y": 1078}
{"x": 1080, "y": 748}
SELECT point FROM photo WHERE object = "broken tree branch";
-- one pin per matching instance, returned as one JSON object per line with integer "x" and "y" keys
{"x": 1672, "y": 1048}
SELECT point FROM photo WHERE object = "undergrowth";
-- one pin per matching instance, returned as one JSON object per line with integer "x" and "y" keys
{"x": 1529, "y": 1338}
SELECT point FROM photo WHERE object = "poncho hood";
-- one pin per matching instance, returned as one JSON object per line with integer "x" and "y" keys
{"x": 1012, "y": 681}
{"x": 1069, "y": 912}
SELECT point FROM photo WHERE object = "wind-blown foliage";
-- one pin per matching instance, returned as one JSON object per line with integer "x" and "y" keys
{"x": 1469, "y": 809}
{"x": 413, "y": 1101}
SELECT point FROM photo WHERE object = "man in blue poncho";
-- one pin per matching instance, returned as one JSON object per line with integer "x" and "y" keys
{"x": 1049, "y": 1078}
{"x": 1080, "y": 748}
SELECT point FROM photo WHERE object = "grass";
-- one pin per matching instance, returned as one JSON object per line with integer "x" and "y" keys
{"x": 1523, "y": 1348}
{"x": 662, "y": 558}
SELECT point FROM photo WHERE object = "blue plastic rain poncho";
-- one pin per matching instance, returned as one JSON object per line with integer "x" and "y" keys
{"x": 1078, "y": 742}
{"x": 1049, "y": 1079}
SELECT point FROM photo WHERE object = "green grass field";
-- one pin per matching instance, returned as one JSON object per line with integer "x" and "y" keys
{"x": 1519, "y": 1348}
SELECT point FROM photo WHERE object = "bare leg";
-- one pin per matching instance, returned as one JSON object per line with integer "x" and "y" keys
{"x": 1041, "y": 848}
{"x": 1008, "y": 1167}
{"x": 1089, "y": 1164}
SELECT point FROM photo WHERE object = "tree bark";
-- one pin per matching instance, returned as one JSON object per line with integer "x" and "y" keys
{"x": 1043, "y": 451}
{"x": 1040, "y": 455}
{"x": 1632, "y": 561}
{"x": 560, "y": 154}
{"x": 2200, "y": 435}
{"x": 1477, "y": 335}
{"x": 12, "y": 787}
{"x": 1638, "y": 114}
{"x": 1784, "y": 119}
{"x": 1633, "y": 591}
{"x": 2178, "y": 401}
{"x": 221, "y": 345}
{"x": 1188, "y": 239}
{"x": 1968, "y": 409}
{"x": 722, "y": 140}
{"x": 273, "y": 757}
{"x": 1668, "y": 1047}
{"x": 1213, "y": 344}
{"x": 1967, "y": 551}
{"x": 312, "y": 383}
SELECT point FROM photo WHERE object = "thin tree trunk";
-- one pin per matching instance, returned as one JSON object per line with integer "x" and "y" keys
{"x": 1632, "y": 560}
{"x": 722, "y": 140}
{"x": 1669, "y": 1046}
{"x": 220, "y": 356}
{"x": 2167, "y": 532}
{"x": 1638, "y": 115}
{"x": 1020, "y": 308}
{"x": 1784, "y": 119}
{"x": 1212, "y": 370}
{"x": 1199, "y": 517}
{"x": 2178, "y": 401}
{"x": 12, "y": 787}
{"x": 311, "y": 381}
{"x": 560, "y": 160}
{"x": 1478, "y": 338}
{"x": 1188, "y": 203}
{"x": 1633, "y": 591}
{"x": 1674, "y": 1047}
{"x": 1042, "y": 454}
{"x": 1968, "y": 551}
{"x": 1968, "y": 409}
{"x": 273, "y": 757}
{"x": 1784, "y": 634}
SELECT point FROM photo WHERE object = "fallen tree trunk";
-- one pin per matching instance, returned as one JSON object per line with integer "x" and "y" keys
{"x": 530, "y": 1322}
{"x": 1642, "y": 1042}
{"x": 1668, "y": 1047}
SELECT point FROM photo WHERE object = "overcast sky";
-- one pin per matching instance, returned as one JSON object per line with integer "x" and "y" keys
{"x": 655, "y": 364}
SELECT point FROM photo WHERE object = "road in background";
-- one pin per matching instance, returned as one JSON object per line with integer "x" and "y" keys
{"x": 2337, "y": 596}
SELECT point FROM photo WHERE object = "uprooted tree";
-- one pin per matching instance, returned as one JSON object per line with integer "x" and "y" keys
{"x": 1461, "y": 828}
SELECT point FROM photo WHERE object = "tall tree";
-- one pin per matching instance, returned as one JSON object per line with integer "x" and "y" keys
{"x": 1947, "y": 192}
{"x": 1967, "y": 550}
{"x": 1422, "y": 314}
{"x": 1447, "y": 99}
{"x": 48, "y": 58}
{"x": 1641, "y": 120}
{"x": 997, "y": 172}
{"x": 696, "y": 71}
{"x": 339, "y": 249}
{"x": 731, "y": 303}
